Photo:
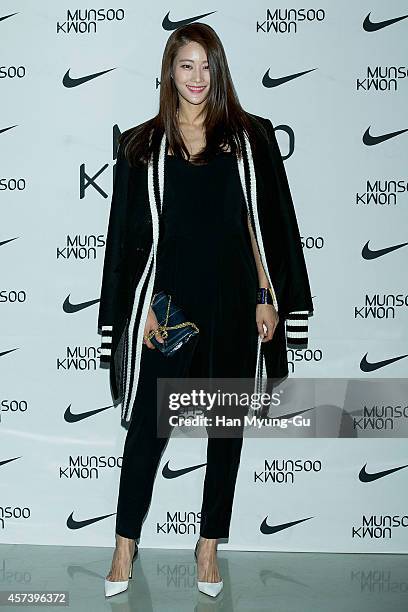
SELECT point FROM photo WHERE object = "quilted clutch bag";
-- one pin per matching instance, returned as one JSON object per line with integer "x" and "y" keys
{"x": 173, "y": 325}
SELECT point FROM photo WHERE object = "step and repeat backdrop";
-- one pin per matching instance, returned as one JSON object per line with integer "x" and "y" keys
{"x": 332, "y": 77}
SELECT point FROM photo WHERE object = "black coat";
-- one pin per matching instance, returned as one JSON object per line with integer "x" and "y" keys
{"x": 131, "y": 246}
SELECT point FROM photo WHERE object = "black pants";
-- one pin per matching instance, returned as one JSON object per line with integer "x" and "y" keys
{"x": 142, "y": 452}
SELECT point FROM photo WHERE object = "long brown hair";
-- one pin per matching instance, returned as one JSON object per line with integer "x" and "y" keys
{"x": 224, "y": 115}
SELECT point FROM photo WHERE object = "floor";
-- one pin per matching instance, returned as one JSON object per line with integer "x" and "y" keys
{"x": 164, "y": 580}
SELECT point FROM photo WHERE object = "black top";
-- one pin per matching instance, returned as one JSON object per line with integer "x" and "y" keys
{"x": 206, "y": 261}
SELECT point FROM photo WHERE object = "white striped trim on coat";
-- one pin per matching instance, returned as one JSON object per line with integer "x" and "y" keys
{"x": 297, "y": 322}
{"x": 247, "y": 151}
{"x": 131, "y": 389}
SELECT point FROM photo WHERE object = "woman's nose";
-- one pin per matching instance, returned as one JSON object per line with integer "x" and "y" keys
{"x": 198, "y": 74}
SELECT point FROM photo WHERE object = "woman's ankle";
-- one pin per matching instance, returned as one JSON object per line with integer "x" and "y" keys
{"x": 211, "y": 542}
{"x": 123, "y": 542}
{"x": 207, "y": 547}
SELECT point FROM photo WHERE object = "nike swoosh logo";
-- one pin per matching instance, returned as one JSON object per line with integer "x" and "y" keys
{"x": 368, "y": 253}
{"x": 7, "y": 16}
{"x": 269, "y": 529}
{"x": 173, "y": 25}
{"x": 6, "y": 241}
{"x": 290, "y": 415}
{"x": 8, "y": 461}
{"x": 168, "y": 473}
{"x": 70, "y": 308}
{"x": 267, "y": 81}
{"x": 370, "y": 140}
{"x": 68, "y": 81}
{"x": 73, "y": 524}
{"x": 370, "y": 26}
{"x": 69, "y": 417}
{"x": 7, "y": 352}
{"x": 7, "y": 128}
{"x": 365, "y": 366}
{"x": 367, "y": 477}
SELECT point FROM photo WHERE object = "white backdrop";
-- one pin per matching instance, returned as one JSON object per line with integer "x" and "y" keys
{"x": 54, "y": 139}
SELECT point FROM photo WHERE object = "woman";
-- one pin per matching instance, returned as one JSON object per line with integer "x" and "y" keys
{"x": 201, "y": 209}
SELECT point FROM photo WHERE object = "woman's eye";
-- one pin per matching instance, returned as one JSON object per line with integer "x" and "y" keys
{"x": 188, "y": 66}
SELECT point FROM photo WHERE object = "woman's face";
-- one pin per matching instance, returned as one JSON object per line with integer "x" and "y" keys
{"x": 191, "y": 73}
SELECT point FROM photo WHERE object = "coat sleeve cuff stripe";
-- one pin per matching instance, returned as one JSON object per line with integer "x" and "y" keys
{"x": 301, "y": 334}
{"x": 297, "y": 327}
{"x": 106, "y": 343}
{"x": 301, "y": 342}
{"x": 298, "y": 314}
{"x": 106, "y": 334}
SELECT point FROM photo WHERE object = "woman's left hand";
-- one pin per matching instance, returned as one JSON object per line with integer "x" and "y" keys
{"x": 267, "y": 316}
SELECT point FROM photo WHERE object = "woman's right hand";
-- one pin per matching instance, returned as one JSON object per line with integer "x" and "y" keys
{"x": 151, "y": 323}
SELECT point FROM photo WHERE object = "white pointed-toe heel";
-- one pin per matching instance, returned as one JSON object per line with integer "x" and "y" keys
{"x": 209, "y": 588}
{"x": 113, "y": 587}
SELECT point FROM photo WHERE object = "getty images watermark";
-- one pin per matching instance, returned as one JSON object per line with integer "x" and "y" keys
{"x": 204, "y": 408}
{"x": 290, "y": 408}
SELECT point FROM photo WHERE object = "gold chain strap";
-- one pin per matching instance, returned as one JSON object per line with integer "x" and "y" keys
{"x": 164, "y": 327}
